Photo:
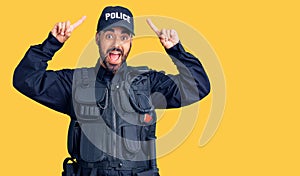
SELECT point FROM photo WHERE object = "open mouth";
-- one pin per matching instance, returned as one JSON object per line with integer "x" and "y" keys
{"x": 114, "y": 56}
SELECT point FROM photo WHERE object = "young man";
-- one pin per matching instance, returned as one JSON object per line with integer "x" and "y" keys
{"x": 112, "y": 105}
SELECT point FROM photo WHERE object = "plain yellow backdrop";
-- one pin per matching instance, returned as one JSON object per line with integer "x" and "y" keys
{"x": 258, "y": 46}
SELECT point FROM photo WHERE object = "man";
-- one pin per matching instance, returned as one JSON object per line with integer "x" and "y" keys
{"x": 111, "y": 105}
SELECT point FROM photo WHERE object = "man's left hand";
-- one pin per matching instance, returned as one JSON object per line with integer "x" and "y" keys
{"x": 168, "y": 37}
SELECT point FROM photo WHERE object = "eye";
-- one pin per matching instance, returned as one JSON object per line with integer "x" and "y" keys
{"x": 125, "y": 37}
{"x": 109, "y": 36}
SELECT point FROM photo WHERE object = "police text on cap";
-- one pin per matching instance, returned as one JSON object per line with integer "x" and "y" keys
{"x": 117, "y": 15}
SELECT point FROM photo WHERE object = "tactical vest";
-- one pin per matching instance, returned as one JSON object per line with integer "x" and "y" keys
{"x": 114, "y": 120}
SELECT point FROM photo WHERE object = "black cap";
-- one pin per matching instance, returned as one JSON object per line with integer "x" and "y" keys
{"x": 115, "y": 16}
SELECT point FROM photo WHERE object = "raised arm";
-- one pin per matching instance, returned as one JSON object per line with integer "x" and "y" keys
{"x": 189, "y": 86}
{"x": 50, "y": 88}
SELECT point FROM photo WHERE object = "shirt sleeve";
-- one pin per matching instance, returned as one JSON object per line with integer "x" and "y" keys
{"x": 50, "y": 88}
{"x": 189, "y": 86}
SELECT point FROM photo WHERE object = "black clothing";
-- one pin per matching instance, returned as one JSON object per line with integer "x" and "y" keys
{"x": 54, "y": 89}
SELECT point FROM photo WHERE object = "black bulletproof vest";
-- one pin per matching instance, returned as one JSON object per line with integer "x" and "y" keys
{"x": 114, "y": 120}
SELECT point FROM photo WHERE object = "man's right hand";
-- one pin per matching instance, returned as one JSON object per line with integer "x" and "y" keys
{"x": 62, "y": 30}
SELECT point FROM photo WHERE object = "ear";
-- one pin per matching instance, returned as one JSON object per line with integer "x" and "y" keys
{"x": 97, "y": 38}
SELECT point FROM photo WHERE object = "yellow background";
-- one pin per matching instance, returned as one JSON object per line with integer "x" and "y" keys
{"x": 258, "y": 46}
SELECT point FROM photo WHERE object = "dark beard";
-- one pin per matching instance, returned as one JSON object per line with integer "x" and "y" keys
{"x": 114, "y": 68}
{"x": 110, "y": 67}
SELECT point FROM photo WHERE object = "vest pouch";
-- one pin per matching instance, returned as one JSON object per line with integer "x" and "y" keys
{"x": 139, "y": 95}
{"x": 95, "y": 142}
{"x": 74, "y": 134}
{"x": 89, "y": 103}
{"x": 121, "y": 102}
{"x": 122, "y": 95}
{"x": 131, "y": 144}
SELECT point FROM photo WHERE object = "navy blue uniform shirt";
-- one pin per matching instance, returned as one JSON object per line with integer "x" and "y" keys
{"x": 54, "y": 88}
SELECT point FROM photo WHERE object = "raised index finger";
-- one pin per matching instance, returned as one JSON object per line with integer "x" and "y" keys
{"x": 153, "y": 27}
{"x": 77, "y": 23}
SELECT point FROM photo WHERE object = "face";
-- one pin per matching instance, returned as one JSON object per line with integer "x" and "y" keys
{"x": 114, "y": 46}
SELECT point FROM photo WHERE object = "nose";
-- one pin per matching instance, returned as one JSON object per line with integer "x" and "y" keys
{"x": 117, "y": 42}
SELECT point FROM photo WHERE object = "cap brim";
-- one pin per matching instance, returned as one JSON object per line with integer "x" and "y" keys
{"x": 121, "y": 23}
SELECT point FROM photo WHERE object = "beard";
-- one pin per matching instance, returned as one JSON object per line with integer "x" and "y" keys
{"x": 105, "y": 57}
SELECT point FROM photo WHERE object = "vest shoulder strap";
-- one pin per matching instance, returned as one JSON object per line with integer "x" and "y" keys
{"x": 85, "y": 76}
{"x": 138, "y": 70}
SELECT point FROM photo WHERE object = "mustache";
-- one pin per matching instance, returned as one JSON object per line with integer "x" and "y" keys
{"x": 114, "y": 49}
